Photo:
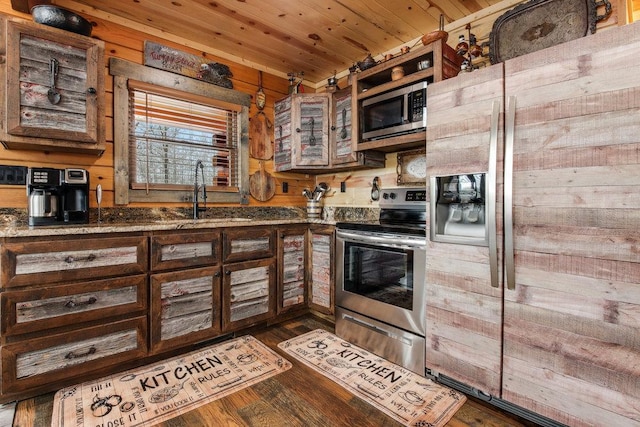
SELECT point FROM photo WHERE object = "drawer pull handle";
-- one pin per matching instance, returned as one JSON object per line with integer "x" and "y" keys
{"x": 70, "y": 259}
{"x": 72, "y": 304}
{"x": 72, "y": 355}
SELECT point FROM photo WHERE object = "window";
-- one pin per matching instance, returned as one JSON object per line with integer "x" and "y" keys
{"x": 169, "y": 125}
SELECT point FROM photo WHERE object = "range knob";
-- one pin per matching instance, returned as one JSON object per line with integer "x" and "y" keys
{"x": 385, "y": 195}
{"x": 392, "y": 196}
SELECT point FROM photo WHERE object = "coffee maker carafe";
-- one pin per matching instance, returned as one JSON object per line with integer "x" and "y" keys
{"x": 44, "y": 187}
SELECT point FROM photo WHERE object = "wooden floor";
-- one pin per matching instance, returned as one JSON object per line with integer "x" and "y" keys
{"x": 297, "y": 397}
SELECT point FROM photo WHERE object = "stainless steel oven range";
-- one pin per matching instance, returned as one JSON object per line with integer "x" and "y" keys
{"x": 380, "y": 279}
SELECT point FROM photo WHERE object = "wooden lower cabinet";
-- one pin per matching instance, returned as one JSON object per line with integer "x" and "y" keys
{"x": 185, "y": 307}
{"x": 77, "y": 308}
{"x": 292, "y": 258}
{"x": 72, "y": 307}
{"x": 321, "y": 280}
{"x": 38, "y": 363}
{"x": 56, "y": 260}
{"x": 176, "y": 250}
{"x": 248, "y": 293}
{"x": 61, "y": 305}
{"x": 248, "y": 243}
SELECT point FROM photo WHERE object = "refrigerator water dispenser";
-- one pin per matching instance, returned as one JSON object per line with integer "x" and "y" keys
{"x": 458, "y": 209}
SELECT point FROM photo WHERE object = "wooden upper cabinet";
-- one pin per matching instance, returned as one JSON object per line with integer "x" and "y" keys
{"x": 302, "y": 132}
{"x": 343, "y": 142}
{"x": 313, "y": 134}
{"x": 54, "y": 94}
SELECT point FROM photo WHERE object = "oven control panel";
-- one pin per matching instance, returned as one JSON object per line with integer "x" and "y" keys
{"x": 402, "y": 196}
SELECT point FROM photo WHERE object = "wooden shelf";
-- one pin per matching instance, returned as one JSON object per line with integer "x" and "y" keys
{"x": 407, "y": 80}
{"x": 395, "y": 143}
{"x": 377, "y": 79}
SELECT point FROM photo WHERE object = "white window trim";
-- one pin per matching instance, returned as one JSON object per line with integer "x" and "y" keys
{"x": 123, "y": 71}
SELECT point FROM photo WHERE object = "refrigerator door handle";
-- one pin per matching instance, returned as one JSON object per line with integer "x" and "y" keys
{"x": 509, "y": 256}
{"x": 491, "y": 194}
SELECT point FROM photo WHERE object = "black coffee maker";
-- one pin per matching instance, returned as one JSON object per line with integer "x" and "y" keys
{"x": 75, "y": 196}
{"x": 57, "y": 196}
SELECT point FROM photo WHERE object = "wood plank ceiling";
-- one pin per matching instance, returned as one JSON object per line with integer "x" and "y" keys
{"x": 317, "y": 37}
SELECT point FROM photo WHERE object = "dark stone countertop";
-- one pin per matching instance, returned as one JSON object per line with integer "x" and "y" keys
{"x": 13, "y": 222}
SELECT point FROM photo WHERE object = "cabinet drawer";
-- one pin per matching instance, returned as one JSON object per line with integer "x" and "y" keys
{"x": 54, "y": 261}
{"x": 185, "y": 307}
{"x": 246, "y": 244}
{"x": 60, "y": 357}
{"x": 185, "y": 250}
{"x": 61, "y": 305}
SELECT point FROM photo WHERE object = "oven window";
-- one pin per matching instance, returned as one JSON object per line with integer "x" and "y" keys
{"x": 379, "y": 273}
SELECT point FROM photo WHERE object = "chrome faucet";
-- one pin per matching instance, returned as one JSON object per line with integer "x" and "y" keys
{"x": 196, "y": 206}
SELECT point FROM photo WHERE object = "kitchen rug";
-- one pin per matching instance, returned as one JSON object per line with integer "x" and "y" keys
{"x": 145, "y": 396}
{"x": 403, "y": 395}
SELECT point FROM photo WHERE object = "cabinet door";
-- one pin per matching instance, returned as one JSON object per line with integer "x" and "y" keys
{"x": 40, "y": 59}
{"x": 464, "y": 307}
{"x": 572, "y": 313}
{"x": 301, "y": 130}
{"x": 310, "y": 118}
{"x": 248, "y": 294}
{"x": 283, "y": 143}
{"x": 41, "y": 262}
{"x": 343, "y": 149}
{"x": 292, "y": 284}
{"x": 185, "y": 307}
{"x": 58, "y": 358}
{"x": 321, "y": 280}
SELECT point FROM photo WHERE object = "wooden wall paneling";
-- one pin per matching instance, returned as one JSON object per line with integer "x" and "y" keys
{"x": 576, "y": 300}
{"x": 122, "y": 42}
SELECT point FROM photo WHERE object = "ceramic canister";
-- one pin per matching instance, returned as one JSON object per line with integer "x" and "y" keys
{"x": 397, "y": 73}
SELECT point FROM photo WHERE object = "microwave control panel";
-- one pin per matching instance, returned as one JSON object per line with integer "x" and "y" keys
{"x": 418, "y": 104}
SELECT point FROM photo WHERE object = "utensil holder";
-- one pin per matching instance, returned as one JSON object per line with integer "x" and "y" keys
{"x": 314, "y": 209}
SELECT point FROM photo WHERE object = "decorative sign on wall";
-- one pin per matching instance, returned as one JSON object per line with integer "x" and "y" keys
{"x": 186, "y": 64}
{"x": 412, "y": 167}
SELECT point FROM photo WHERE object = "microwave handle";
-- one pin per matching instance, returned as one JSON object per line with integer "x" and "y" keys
{"x": 405, "y": 108}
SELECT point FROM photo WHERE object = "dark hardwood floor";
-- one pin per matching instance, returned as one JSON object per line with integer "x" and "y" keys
{"x": 297, "y": 397}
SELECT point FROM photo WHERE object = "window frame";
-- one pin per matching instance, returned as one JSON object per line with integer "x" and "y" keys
{"x": 122, "y": 71}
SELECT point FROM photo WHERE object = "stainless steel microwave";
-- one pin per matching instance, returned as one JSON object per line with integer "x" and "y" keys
{"x": 398, "y": 112}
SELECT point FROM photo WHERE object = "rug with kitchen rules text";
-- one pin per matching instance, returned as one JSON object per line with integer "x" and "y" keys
{"x": 405, "y": 396}
{"x": 146, "y": 396}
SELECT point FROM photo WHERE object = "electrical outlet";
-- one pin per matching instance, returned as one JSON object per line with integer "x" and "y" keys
{"x": 13, "y": 175}
{"x": 343, "y": 187}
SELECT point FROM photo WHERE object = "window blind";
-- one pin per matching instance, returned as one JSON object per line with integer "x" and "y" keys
{"x": 169, "y": 133}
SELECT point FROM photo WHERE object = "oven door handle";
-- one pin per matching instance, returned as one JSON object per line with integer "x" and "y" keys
{"x": 397, "y": 241}
{"x": 377, "y": 329}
